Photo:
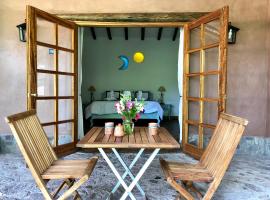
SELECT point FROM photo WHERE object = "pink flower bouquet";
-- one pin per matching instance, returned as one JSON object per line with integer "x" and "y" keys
{"x": 129, "y": 110}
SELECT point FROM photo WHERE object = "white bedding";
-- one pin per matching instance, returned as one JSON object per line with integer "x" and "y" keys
{"x": 107, "y": 107}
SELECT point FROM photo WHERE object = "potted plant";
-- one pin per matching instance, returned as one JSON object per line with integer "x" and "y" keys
{"x": 129, "y": 110}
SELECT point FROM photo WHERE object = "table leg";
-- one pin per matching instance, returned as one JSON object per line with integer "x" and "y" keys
{"x": 128, "y": 170}
{"x": 139, "y": 175}
{"x": 116, "y": 173}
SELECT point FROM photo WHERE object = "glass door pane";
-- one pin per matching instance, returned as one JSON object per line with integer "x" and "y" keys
{"x": 65, "y": 133}
{"x": 45, "y": 110}
{"x": 45, "y": 31}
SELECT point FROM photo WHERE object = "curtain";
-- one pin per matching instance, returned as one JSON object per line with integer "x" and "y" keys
{"x": 80, "y": 109}
{"x": 180, "y": 79}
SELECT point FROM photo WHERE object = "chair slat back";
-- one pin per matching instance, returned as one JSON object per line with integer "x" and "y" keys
{"x": 223, "y": 144}
{"x": 32, "y": 140}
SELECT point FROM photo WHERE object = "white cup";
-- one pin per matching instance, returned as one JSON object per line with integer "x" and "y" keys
{"x": 109, "y": 128}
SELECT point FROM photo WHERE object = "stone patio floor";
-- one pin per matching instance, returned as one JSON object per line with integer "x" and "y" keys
{"x": 247, "y": 178}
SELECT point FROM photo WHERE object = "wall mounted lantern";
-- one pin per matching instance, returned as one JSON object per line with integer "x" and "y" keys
{"x": 232, "y": 30}
{"x": 22, "y": 32}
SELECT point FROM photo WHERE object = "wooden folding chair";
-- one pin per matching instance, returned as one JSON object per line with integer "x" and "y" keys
{"x": 213, "y": 163}
{"x": 42, "y": 160}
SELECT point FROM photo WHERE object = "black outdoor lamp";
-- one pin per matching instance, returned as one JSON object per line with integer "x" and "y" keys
{"x": 232, "y": 30}
{"x": 22, "y": 32}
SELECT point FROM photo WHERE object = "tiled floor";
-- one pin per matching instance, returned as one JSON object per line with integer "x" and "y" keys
{"x": 247, "y": 179}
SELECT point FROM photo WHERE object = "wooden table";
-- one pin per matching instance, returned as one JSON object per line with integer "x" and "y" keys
{"x": 96, "y": 138}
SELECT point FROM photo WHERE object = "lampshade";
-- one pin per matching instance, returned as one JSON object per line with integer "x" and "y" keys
{"x": 92, "y": 88}
{"x": 161, "y": 89}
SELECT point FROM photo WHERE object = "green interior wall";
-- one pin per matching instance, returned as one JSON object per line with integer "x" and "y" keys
{"x": 101, "y": 63}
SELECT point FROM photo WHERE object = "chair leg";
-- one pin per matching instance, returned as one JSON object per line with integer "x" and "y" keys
{"x": 189, "y": 185}
{"x": 179, "y": 197}
{"x": 77, "y": 197}
{"x": 73, "y": 188}
{"x": 70, "y": 183}
{"x": 57, "y": 190}
{"x": 183, "y": 192}
{"x": 211, "y": 190}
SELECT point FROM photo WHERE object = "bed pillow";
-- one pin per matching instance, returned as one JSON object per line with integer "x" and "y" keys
{"x": 142, "y": 95}
{"x": 127, "y": 92}
{"x": 139, "y": 95}
{"x": 112, "y": 95}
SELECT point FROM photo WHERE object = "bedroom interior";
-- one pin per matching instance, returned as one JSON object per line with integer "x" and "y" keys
{"x": 100, "y": 70}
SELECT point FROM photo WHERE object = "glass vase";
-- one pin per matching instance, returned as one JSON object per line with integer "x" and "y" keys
{"x": 128, "y": 127}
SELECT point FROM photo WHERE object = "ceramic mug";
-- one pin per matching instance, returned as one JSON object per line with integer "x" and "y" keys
{"x": 153, "y": 128}
{"x": 109, "y": 127}
{"x": 119, "y": 131}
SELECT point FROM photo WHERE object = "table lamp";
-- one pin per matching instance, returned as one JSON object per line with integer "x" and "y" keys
{"x": 92, "y": 89}
{"x": 161, "y": 89}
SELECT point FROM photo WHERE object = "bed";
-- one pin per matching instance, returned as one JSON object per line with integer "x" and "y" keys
{"x": 106, "y": 110}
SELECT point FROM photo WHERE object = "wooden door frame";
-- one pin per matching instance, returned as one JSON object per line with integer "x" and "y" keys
{"x": 172, "y": 20}
{"x": 32, "y": 14}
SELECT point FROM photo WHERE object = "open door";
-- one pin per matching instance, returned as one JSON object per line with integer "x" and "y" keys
{"x": 204, "y": 88}
{"x": 52, "y": 76}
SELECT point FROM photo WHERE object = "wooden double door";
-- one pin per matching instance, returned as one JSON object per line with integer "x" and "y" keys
{"x": 52, "y": 77}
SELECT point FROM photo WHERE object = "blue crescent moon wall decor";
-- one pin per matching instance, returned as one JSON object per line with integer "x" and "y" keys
{"x": 125, "y": 62}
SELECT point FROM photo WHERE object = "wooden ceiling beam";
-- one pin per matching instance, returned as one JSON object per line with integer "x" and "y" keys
{"x": 126, "y": 33}
{"x": 142, "y": 33}
{"x": 159, "y": 33}
{"x": 175, "y": 33}
{"x": 93, "y": 33}
{"x": 109, "y": 33}
{"x": 129, "y": 24}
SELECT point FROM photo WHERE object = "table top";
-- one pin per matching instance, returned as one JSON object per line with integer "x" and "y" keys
{"x": 96, "y": 138}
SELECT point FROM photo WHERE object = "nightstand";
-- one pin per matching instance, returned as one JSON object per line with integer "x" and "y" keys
{"x": 167, "y": 108}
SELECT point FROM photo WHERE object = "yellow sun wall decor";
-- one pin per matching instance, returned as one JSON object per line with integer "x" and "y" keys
{"x": 138, "y": 57}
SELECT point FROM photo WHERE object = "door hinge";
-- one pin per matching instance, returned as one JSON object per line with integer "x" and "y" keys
{"x": 32, "y": 95}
